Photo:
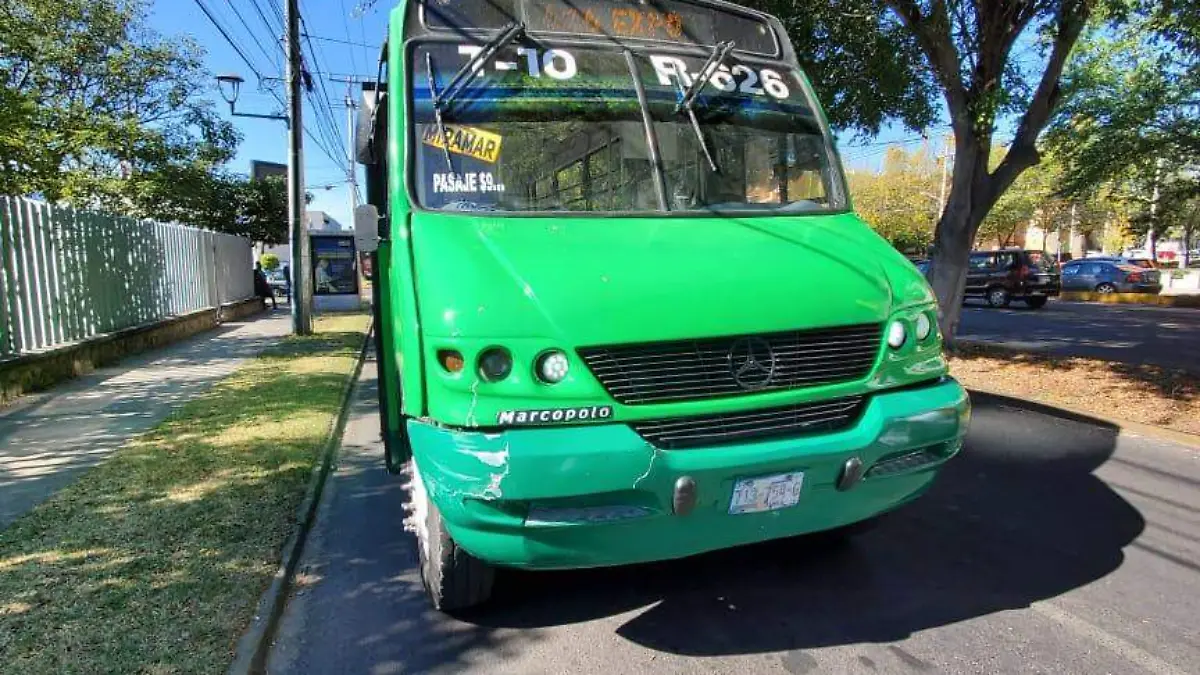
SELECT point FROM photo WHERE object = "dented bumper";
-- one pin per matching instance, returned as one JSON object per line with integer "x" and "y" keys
{"x": 594, "y": 495}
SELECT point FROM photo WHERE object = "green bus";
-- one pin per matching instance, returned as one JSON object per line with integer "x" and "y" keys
{"x": 624, "y": 309}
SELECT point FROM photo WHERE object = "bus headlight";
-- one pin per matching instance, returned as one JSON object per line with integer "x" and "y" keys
{"x": 897, "y": 335}
{"x": 495, "y": 363}
{"x": 924, "y": 326}
{"x": 552, "y": 367}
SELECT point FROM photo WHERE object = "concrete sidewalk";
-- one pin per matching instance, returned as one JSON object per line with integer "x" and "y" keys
{"x": 48, "y": 440}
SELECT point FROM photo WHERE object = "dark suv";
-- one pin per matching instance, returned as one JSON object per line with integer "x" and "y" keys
{"x": 1012, "y": 274}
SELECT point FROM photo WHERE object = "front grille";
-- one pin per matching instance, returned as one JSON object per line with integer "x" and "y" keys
{"x": 756, "y": 425}
{"x": 698, "y": 369}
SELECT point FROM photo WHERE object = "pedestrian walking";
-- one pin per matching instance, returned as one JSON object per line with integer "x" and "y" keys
{"x": 261, "y": 288}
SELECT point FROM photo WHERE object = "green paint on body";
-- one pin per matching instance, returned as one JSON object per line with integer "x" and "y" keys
{"x": 597, "y": 493}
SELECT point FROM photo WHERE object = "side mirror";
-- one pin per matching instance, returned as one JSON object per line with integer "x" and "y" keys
{"x": 366, "y": 228}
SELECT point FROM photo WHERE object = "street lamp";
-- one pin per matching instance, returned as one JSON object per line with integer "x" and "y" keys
{"x": 230, "y": 86}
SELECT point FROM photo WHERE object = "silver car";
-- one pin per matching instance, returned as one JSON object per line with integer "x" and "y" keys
{"x": 1108, "y": 276}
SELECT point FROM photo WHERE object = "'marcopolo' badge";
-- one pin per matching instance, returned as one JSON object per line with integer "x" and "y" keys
{"x": 555, "y": 416}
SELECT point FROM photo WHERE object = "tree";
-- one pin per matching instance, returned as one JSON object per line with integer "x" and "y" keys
{"x": 97, "y": 109}
{"x": 971, "y": 56}
{"x": 863, "y": 64}
{"x": 262, "y": 210}
{"x": 900, "y": 202}
{"x": 1131, "y": 120}
{"x": 270, "y": 262}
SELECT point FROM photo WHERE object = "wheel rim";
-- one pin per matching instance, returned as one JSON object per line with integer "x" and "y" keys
{"x": 1106, "y": 288}
{"x": 998, "y": 297}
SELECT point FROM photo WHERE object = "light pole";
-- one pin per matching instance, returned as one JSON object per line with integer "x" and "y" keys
{"x": 230, "y": 86}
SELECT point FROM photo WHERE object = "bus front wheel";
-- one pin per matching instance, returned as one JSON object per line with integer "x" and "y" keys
{"x": 453, "y": 578}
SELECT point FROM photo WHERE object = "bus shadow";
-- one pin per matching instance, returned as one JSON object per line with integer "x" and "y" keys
{"x": 1018, "y": 517}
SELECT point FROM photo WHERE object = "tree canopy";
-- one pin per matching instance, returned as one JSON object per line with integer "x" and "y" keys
{"x": 901, "y": 201}
{"x": 98, "y": 111}
{"x": 1130, "y": 122}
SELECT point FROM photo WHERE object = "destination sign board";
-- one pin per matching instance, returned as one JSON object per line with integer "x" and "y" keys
{"x": 671, "y": 21}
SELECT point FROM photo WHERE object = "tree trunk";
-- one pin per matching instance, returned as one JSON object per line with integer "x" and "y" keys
{"x": 972, "y": 195}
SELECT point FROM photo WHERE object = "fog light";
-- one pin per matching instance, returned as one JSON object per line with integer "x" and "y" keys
{"x": 897, "y": 335}
{"x": 552, "y": 367}
{"x": 451, "y": 360}
{"x": 495, "y": 364}
{"x": 924, "y": 326}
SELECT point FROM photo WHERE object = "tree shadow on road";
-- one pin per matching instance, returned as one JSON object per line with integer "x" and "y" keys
{"x": 1018, "y": 517}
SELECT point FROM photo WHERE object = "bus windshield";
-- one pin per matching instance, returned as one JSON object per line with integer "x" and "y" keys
{"x": 562, "y": 130}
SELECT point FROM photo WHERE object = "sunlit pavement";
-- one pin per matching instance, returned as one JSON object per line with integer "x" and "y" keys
{"x": 1128, "y": 333}
{"x": 1047, "y": 546}
{"x": 47, "y": 440}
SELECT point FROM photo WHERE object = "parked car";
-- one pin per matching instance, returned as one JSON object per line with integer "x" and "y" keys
{"x": 1143, "y": 263}
{"x": 1101, "y": 275}
{"x": 1012, "y": 274}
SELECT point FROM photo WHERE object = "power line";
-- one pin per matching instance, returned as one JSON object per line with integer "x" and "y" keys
{"x": 271, "y": 29}
{"x": 322, "y": 144}
{"x": 250, "y": 65}
{"x": 221, "y": 30}
{"x": 329, "y": 121}
{"x": 270, "y": 60}
{"x": 278, "y": 11}
{"x": 340, "y": 41}
{"x": 346, "y": 25}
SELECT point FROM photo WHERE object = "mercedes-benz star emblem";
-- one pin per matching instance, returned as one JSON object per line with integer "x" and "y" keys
{"x": 752, "y": 363}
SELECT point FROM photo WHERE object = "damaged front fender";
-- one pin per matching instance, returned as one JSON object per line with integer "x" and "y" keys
{"x": 524, "y": 465}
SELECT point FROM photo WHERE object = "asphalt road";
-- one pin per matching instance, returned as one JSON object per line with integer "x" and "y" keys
{"x": 1046, "y": 546}
{"x": 1162, "y": 336}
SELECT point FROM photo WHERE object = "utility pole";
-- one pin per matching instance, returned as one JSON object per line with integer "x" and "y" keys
{"x": 945, "y": 176}
{"x": 352, "y": 134}
{"x": 1152, "y": 234}
{"x": 1071, "y": 231}
{"x": 301, "y": 280}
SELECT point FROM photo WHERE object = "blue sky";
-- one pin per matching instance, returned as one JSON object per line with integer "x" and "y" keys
{"x": 331, "y": 24}
{"x": 327, "y": 21}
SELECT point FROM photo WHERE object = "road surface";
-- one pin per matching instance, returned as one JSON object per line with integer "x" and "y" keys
{"x": 1162, "y": 336}
{"x": 1047, "y": 546}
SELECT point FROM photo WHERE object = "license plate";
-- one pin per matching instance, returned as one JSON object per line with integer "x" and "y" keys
{"x": 766, "y": 493}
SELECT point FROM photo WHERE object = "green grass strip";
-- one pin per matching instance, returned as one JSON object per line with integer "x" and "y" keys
{"x": 154, "y": 561}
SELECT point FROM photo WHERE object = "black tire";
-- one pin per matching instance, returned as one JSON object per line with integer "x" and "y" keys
{"x": 1106, "y": 288}
{"x": 997, "y": 296}
{"x": 1036, "y": 302}
{"x": 453, "y": 578}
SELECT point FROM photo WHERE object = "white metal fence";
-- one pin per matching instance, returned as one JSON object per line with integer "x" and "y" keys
{"x": 67, "y": 274}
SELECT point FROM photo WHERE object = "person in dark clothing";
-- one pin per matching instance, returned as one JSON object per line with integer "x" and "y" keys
{"x": 261, "y": 288}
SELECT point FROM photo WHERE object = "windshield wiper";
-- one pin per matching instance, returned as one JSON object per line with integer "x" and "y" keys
{"x": 437, "y": 113}
{"x": 688, "y": 103}
{"x": 442, "y": 101}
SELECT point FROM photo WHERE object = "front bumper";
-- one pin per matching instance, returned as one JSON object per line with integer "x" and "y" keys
{"x": 594, "y": 495}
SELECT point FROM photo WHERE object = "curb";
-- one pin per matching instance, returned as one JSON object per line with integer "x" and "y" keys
{"x": 255, "y": 644}
{"x": 1188, "y": 301}
{"x": 1087, "y": 417}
